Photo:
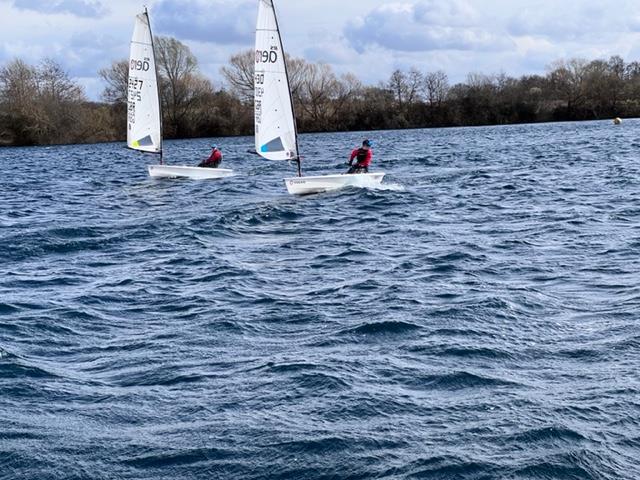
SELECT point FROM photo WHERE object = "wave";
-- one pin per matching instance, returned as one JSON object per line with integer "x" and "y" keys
{"x": 171, "y": 458}
{"x": 457, "y": 381}
{"x": 6, "y": 309}
{"x": 578, "y": 465}
{"x": 289, "y": 367}
{"x": 13, "y": 368}
{"x": 383, "y": 328}
{"x": 462, "y": 351}
{"x": 320, "y": 382}
{"x": 448, "y": 467}
{"x": 164, "y": 377}
{"x": 546, "y": 435}
{"x": 383, "y": 187}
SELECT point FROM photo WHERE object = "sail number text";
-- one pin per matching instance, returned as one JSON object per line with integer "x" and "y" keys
{"x": 259, "y": 80}
{"x": 258, "y": 112}
{"x": 131, "y": 114}
{"x": 135, "y": 84}
{"x": 140, "y": 65}
{"x": 135, "y": 89}
{"x": 135, "y": 95}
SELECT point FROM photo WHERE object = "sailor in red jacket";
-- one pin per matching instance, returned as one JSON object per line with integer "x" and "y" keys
{"x": 363, "y": 157}
{"x": 214, "y": 159}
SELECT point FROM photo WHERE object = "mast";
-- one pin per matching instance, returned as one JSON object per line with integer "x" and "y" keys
{"x": 286, "y": 72}
{"x": 155, "y": 64}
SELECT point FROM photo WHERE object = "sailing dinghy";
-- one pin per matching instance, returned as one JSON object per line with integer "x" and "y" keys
{"x": 144, "y": 118}
{"x": 276, "y": 134}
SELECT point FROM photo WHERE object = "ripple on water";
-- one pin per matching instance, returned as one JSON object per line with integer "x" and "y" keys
{"x": 382, "y": 328}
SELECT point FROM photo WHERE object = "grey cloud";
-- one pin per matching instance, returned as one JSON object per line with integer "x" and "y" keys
{"x": 79, "y": 8}
{"x": 422, "y": 27}
{"x": 89, "y": 52}
{"x": 206, "y": 21}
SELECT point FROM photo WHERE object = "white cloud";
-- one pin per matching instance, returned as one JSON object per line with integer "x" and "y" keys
{"x": 424, "y": 26}
{"x": 578, "y": 21}
{"x": 454, "y": 13}
{"x": 79, "y": 8}
{"x": 336, "y": 53}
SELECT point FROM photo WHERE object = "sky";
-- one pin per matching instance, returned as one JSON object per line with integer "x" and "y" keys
{"x": 370, "y": 38}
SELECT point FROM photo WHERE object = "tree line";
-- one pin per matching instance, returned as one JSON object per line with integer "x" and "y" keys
{"x": 41, "y": 104}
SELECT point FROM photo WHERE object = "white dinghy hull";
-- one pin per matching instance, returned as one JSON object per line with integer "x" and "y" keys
{"x": 195, "y": 173}
{"x": 327, "y": 183}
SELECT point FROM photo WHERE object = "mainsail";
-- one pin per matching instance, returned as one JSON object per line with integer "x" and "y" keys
{"x": 276, "y": 136}
{"x": 144, "y": 128}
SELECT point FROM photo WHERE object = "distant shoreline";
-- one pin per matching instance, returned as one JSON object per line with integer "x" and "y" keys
{"x": 363, "y": 132}
{"x": 41, "y": 105}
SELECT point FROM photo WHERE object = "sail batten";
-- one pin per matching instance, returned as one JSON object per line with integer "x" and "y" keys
{"x": 144, "y": 125}
{"x": 275, "y": 128}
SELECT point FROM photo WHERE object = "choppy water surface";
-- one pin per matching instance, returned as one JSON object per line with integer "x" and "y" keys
{"x": 475, "y": 318}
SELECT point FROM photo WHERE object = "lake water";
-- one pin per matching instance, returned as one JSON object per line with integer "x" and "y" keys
{"x": 476, "y": 317}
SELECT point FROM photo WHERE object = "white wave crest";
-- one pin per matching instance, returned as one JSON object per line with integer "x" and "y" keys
{"x": 371, "y": 184}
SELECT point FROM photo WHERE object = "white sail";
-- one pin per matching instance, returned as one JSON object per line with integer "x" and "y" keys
{"x": 144, "y": 128}
{"x": 275, "y": 132}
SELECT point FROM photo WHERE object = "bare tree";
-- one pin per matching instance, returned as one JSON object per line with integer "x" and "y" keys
{"x": 414, "y": 81}
{"x": 175, "y": 60}
{"x": 348, "y": 90}
{"x": 239, "y": 75}
{"x": 399, "y": 86}
{"x": 598, "y": 85}
{"x": 240, "y": 72}
{"x": 616, "y": 67}
{"x": 117, "y": 79}
{"x": 436, "y": 88}
{"x": 632, "y": 80}
{"x": 60, "y": 100}
{"x": 298, "y": 70}
{"x": 55, "y": 84}
{"x": 479, "y": 81}
{"x": 182, "y": 85}
{"x": 632, "y": 71}
{"x": 568, "y": 80}
{"x": 18, "y": 83}
{"x": 43, "y": 103}
{"x": 315, "y": 94}
{"x": 18, "y": 102}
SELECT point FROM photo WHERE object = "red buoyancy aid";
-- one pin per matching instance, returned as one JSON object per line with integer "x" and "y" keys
{"x": 216, "y": 157}
{"x": 363, "y": 156}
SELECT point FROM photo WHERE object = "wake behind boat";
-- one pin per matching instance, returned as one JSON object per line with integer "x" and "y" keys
{"x": 144, "y": 116}
{"x": 276, "y": 134}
